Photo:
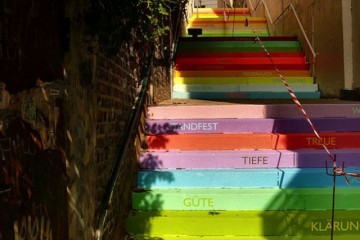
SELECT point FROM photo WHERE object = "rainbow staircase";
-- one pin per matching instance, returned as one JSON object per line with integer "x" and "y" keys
{"x": 227, "y": 61}
{"x": 251, "y": 169}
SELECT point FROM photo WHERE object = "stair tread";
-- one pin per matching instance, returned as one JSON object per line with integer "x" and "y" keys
{"x": 303, "y": 158}
{"x": 228, "y": 237}
{"x": 244, "y": 223}
{"x": 245, "y": 199}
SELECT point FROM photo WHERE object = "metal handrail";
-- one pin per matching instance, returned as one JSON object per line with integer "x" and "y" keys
{"x": 131, "y": 126}
{"x": 289, "y": 7}
{"x": 122, "y": 147}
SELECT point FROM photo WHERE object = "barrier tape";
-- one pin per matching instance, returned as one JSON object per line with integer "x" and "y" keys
{"x": 336, "y": 170}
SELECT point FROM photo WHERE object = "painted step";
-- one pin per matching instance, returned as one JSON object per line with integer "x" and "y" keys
{"x": 228, "y": 14}
{"x": 281, "y": 65}
{"x": 241, "y": 74}
{"x": 185, "y": 55}
{"x": 238, "y": 39}
{"x": 242, "y": 178}
{"x": 234, "y": 141}
{"x": 253, "y": 111}
{"x": 244, "y": 223}
{"x": 242, "y": 88}
{"x": 236, "y": 61}
{"x": 243, "y": 159}
{"x": 250, "y": 125}
{"x": 228, "y": 20}
{"x": 220, "y": 11}
{"x": 187, "y": 237}
{"x": 245, "y": 199}
{"x": 235, "y": 46}
{"x": 207, "y": 32}
{"x": 243, "y": 80}
{"x": 243, "y": 95}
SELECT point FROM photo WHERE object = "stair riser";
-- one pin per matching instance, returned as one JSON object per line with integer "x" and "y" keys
{"x": 281, "y": 141}
{"x": 246, "y": 159}
{"x": 239, "y": 39}
{"x": 242, "y": 88}
{"x": 238, "y": 61}
{"x": 221, "y": 10}
{"x": 255, "y": 66}
{"x": 181, "y": 55}
{"x": 196, "y": 44}
{"x": 242, "y": 178}
{"x": 269, "y": 223}
{"x": 246, "y": 199}
{"x": 187, "y": 237}
{"x": 243, "y": 95}
{"x": 254, "y": 111}
{"x": 245, "y": 125}
{"x": 243, "y": 74}
{"x": 208, "y": 33}
{"x": 268, "y": 81}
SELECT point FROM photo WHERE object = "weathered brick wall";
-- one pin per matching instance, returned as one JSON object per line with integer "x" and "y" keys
{"x": 100, "y": 95}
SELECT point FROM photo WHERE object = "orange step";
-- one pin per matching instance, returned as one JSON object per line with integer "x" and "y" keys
{"x": 335, "y": 140}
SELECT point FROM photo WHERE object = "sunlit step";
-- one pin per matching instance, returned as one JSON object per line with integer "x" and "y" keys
{"x": 244, "y": 223}
{"x": 242, "y": 178}
{"x": 220, "y": 11}
{"x": 253, "y": 110}
{"x": 243, "y": 95}
{"x": 242, "y": 88}
{"x": 245, "y": 199}
{"x": 231, "y": 34}
{"x": 243, "y": 159}
{"x": 219, "y": 19}
{"x": 230, "y": 237}
{"x": 242, "y": 81}
{"x": 249, "y": 74}
{"x": 236, "y": 141}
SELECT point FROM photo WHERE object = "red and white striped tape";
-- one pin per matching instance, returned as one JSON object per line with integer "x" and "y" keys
{"x": 336, "y": 170}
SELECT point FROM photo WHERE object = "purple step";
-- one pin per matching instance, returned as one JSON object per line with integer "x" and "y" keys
{"x": 247, "y": 159}
{"x": 261, "y": 125}
{"x": 252, "y": 111}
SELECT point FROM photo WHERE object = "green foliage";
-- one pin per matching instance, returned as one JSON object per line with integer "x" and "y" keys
{"x": 115, "y": 21}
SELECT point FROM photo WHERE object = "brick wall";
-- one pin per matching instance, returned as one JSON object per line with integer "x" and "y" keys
{"x": 78, "y": 122}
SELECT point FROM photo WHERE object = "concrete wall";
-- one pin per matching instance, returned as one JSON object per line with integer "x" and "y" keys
{"x": 356, "y": 42}
{"x": 322, "y": 21}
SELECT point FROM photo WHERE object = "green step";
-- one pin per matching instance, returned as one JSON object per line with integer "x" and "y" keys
{"x": 245, "y": 199}
{"x": 232, "y": 44}
{"x": 221, "y": 46}
{"x": 244, "y": 223}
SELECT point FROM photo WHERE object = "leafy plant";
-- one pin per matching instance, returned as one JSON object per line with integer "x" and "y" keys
{"x": 115, "y": 21}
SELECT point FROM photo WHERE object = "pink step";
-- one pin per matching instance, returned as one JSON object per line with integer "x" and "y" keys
{"x": 247, "y": 159}
{"x": 252, "y": 111}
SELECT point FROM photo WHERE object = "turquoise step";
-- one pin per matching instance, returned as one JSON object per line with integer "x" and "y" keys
{"x": 242, "y": 178}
